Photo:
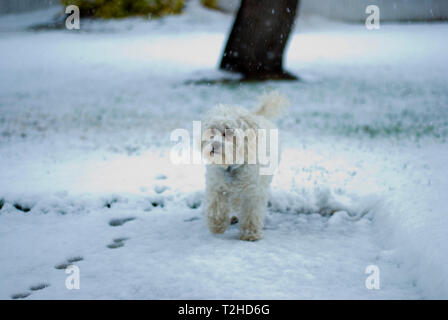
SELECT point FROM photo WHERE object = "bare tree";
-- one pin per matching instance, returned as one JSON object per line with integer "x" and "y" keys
{"x": 258, "y": 38}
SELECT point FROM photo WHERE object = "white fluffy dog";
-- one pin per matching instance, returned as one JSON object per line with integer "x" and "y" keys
{"x": 236, "y": 186}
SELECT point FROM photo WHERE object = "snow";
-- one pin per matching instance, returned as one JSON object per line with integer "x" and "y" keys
{"x": 85, "y": 121}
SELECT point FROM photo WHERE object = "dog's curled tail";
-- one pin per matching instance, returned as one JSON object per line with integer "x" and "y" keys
{"x": 272, "y": 105}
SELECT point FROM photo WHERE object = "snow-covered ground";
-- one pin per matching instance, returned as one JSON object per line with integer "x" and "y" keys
{"x": 86, "y": 179}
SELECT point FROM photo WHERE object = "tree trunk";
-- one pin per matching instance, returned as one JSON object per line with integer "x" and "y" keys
{"x": 258, "y": 38}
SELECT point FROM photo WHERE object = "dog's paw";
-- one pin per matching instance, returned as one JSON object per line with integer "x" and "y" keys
{"x": 218, "y": 223}
{"x": 217, "y": 228}
{"x": 250, "y": 235}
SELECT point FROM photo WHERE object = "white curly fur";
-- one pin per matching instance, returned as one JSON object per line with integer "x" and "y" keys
{"x": 238, "y": 189}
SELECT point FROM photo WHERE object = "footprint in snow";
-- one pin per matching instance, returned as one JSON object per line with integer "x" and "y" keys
{"x": 117, "y": 243}
{"x": 160, "y": 189}
{"x": 23, "y": 208}
{"x": 191, "y": 219}
{"x": 120, "y": 221}
{"x": 68, "y": 262}
{"x": 39, "y": 286}
{"x": 161, "y": 177}
{"x": 21, "y": 295}
{"x": 75, "y": 259}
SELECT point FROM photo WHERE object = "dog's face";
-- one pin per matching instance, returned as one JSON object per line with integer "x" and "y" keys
{"x": 229, "y": 137}
{"x": 218, "y": 145}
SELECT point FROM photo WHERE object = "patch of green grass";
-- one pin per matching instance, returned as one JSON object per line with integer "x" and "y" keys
{"x": 212, "y": 4}
{"x": 393, "y": 130}
{"x": 112, "y": 9}
{"x": 402, "y": 125}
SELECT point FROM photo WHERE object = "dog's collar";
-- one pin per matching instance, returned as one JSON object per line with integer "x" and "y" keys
{"x": 231, "y": 168}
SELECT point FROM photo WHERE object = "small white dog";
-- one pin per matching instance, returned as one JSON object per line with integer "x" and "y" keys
{"x": 237, "y": 186}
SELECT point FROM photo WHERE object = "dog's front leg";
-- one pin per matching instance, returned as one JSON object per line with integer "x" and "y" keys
{"x": 252, "y": 219}
{"x": 217, "y": 211}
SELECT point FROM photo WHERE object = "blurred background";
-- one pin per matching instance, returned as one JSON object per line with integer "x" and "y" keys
{"x": 86, "y": 118}
{"x": 344, "y": 10}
